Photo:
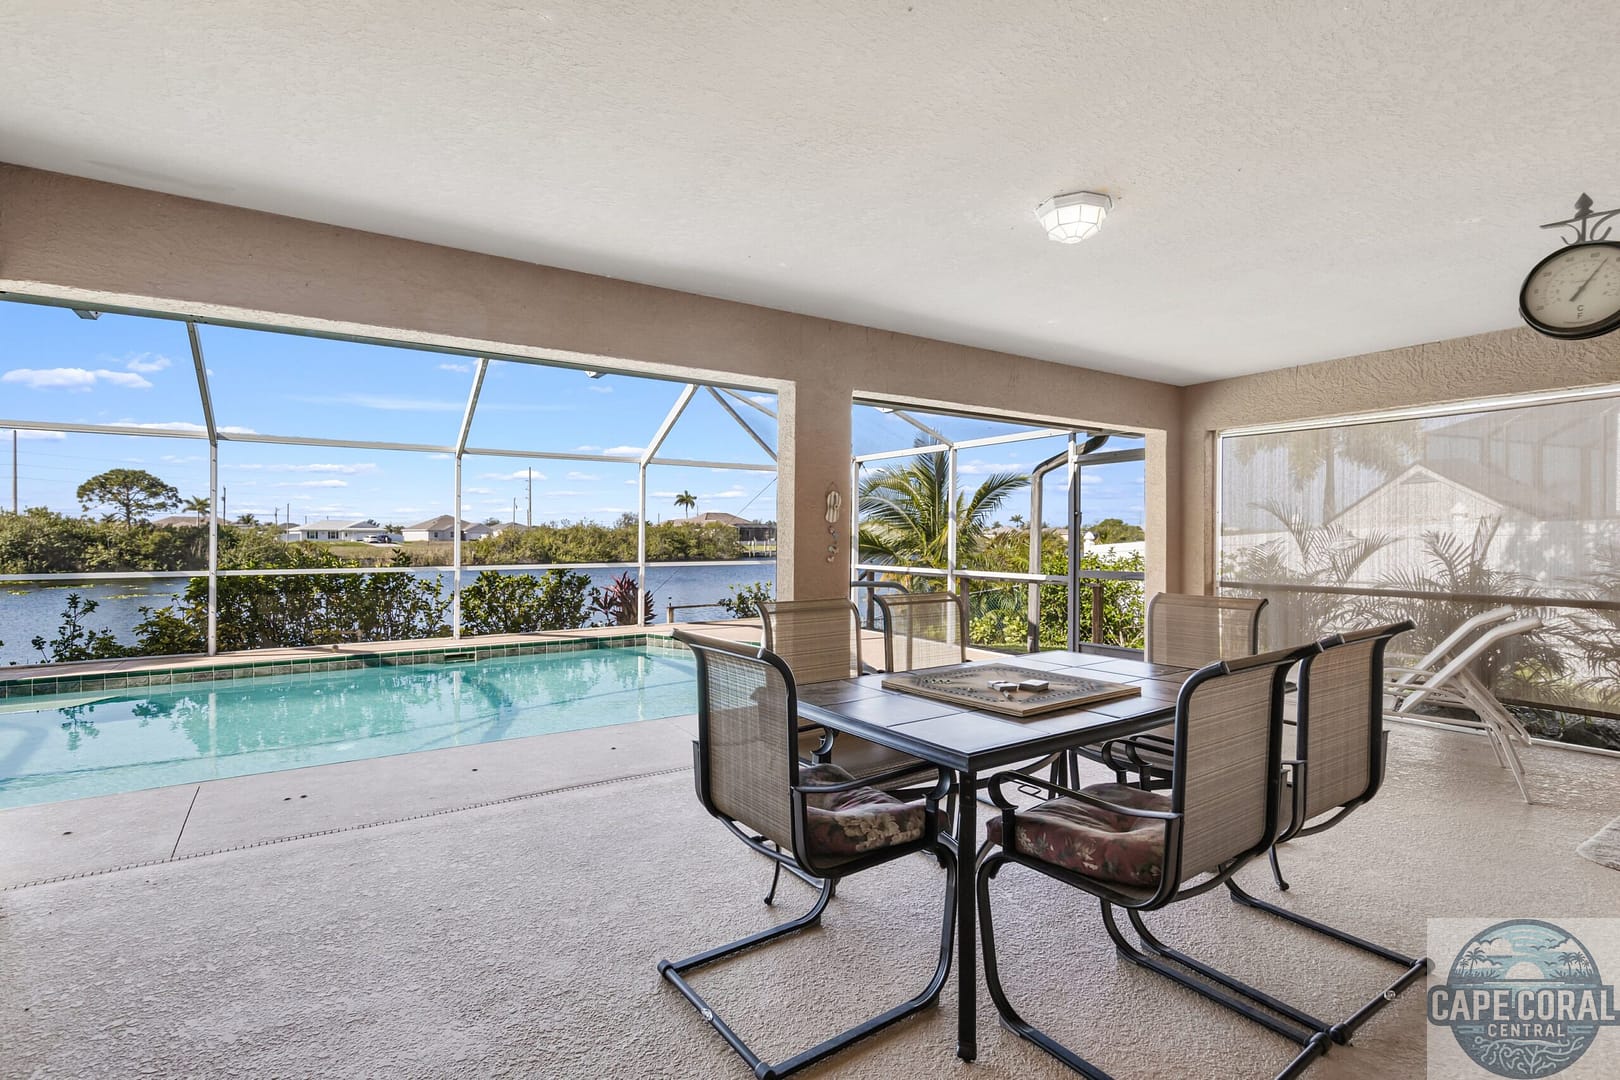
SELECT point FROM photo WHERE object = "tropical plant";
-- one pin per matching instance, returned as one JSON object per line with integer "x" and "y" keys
{"x": 744, "y": 601}
{"x": 498, "y": 603}
{"x": 198, "y": 505}
{"x": 130, "y": 493}
{"x": 1456, "y": 568}
{"x": 1314, "y": 556}
{"x": 687, "y": 502}
{"x": 74, "y": 640}
{"x": 619, "y": 601}
{"x": 905, "y": 515}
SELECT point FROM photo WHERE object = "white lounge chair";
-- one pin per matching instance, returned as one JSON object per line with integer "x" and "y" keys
{"x": 1444, "y": 678}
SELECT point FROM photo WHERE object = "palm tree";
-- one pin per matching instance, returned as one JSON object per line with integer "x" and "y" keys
{"x": 1472, "y": 958}
{"x": 686, "y": 501}
{"x": 199, "y": 506}
{"x": 905, "y": 513}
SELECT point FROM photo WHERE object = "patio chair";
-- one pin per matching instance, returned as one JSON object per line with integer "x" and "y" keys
{"x": 1340, "y": 754}
{"x": 816, "y": 819}
{"x": 1445, "y": 678}
{"x": 821, "y": 640}
{"x": 1189, "y": 631}
{"x": 924, "y": 630}
{"x": 1141, "y": 850}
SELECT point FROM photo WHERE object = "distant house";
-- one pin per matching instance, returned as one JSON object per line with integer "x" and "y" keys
{"x": 481, "y": 530}
{"x": 442, "y": 528}
{"x": 335, "y": 529}
{"x": 749, "y": 532}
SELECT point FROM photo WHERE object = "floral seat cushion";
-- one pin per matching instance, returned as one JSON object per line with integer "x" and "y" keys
{"x": 1093, "y": 841}
{"x": 843, "y": 824}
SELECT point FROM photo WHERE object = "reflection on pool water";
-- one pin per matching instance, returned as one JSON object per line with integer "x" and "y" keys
{"x": 68, "y": 746}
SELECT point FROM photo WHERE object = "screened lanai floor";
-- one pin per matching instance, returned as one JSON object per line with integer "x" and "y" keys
{"x": 411, "y": 916}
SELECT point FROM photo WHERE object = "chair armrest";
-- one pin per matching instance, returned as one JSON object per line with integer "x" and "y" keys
{"x": 876, "y": 780}
{"x": 1132, "y": 744}
{"x": 1031, "y": 780}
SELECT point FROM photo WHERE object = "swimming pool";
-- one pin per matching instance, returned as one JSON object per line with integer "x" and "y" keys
{"x": 68, "y": 746}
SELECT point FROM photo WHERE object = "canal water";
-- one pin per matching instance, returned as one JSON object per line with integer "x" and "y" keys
{"x": 30, "y": 609}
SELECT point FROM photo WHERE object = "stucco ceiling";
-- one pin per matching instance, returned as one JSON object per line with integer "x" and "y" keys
{"x": 1293, "y": 181}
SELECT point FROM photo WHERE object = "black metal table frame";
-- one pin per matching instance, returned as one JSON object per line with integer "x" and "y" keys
{"x": 1092, "y": 725}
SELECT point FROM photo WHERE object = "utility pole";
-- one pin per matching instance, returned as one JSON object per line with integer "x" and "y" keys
{"x": 514, "y": 509}
{"x": 224, "y": 503}
{"x": 530, "y": 520}
{"x": 13, "y": 470}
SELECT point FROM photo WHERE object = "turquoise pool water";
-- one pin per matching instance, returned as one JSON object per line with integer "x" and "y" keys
{"x": 68, "y": 746}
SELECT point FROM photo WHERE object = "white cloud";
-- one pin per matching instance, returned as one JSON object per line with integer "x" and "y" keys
{"x": 587, "y": 449}
{"x": 731, "y": 493}
{"x": 318, "y": 467}
{"x": 182, "y": 425}
{"x": 146, "y": 363}
{"x": 632, "y": 483}
{"x": 25, "y": 434}
{"x": 519, "y": 474}
{"x": 182, "y": 459}
{"x": 312, "y": 484}
{"x": 73, "y": 378}
{"x": 565, "y": 494}
{"x": 598, "y": 388}
{"x": 463, "y": 368}
{"x": 985, "y": 468}
{"x": 584, "y": 476}
{"x": 479, "y": 491}
{"x": 626, "y": 451}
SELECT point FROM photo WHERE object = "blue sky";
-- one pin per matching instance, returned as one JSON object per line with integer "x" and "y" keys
{"x": 132, "y": 371}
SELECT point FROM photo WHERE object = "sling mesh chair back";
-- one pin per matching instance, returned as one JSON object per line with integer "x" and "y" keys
{"x": 815, "y": 819}
{"x": 1189, "y": 631}
{"x": 821, "y": 640}
{"x": 924, "y": 630}
{"x": 1341, "y": 748}
{"x": 1141, "y": 850}
{"x": 1445, "y": 677}
{"x": 1182, "y": 630}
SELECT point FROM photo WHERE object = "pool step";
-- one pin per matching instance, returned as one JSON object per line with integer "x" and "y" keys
{"x": 466, "y": 656}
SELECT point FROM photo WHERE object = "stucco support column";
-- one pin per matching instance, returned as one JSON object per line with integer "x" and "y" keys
{"x": 813, "y": 454}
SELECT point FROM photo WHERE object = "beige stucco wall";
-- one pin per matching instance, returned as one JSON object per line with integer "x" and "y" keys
{"x": 114, "y": 246}
{"x": 1504, "y": 363}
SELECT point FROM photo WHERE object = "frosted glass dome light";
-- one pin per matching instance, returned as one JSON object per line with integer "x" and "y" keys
{"x": 1071, "y": 218}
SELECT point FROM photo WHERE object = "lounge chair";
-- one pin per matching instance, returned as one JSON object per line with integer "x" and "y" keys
{"x": 816, "y": 819}
{"x": 1445, "y": 678}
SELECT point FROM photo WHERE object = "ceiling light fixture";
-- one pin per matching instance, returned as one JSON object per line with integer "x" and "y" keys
{"x": 1071, "y": 218}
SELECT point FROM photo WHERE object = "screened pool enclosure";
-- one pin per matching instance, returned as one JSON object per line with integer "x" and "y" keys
{"x": 268, "y": 429}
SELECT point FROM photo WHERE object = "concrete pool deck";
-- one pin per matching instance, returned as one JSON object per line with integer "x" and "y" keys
{"x": 76, "y": 837}
{"x": 409, "y": 917}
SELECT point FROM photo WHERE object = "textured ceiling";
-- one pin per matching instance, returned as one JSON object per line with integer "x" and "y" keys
{"x": 1293, "y": 181}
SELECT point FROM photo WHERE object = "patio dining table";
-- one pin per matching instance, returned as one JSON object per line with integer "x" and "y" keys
{"x": 973, "y": 743}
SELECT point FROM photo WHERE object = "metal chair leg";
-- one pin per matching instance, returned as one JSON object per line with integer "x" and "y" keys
{"x": 764, "y": 1070}
{"x": 1415, "y": 967}
{"x": 1313, "y": 1043}
{"x": 1276, "y": 871}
